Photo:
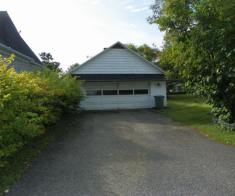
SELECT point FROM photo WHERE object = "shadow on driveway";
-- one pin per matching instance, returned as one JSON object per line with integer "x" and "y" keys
{"x": 129, "y": 153}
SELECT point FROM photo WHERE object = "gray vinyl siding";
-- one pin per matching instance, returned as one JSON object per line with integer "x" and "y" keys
{"x": 117, "y": 61}
{"x": 106, "y": 95}
{"x": 21, "y": 64}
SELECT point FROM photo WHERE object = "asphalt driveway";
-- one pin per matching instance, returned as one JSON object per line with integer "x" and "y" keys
{"x": 129, "y": 153}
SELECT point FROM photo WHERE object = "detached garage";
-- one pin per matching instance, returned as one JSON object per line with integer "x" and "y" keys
{"x": 119, "y": 78}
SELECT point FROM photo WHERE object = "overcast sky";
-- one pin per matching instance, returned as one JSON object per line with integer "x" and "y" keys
{"x": 72, "y": 30}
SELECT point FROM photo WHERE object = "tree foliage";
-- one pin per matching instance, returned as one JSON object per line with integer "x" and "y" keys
{"x": 49, "y": 62}
{"x": 30, "y": 101}
{"x": 199, "y": 42}
{"x": 156, "y": 56}
{"x": 146, "y": 51}
{"x": 71, "y": 67}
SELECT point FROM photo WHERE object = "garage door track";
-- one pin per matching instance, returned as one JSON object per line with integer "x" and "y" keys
{"x": 129, "y": 153}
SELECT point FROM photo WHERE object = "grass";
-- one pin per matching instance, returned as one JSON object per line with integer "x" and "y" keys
{"x": 194, "y": 112}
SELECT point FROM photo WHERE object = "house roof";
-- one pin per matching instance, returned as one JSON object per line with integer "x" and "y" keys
{"x": 120, "y": 77}
{"x": 118, "y": 45}
{"x": 10, "y": 37}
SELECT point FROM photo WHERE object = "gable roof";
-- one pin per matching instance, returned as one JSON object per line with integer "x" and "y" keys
{"x": 10, "y": 37}
{"x": 118, "y": 45}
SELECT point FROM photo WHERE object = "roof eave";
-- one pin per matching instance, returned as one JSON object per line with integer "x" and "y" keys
{"x": 120, "y": 77}
{"x": 10, "y": 50}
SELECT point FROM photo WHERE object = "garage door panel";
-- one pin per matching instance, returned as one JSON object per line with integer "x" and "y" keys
{"x": 99, "y": 102}
{"x": 103, "y": 102}
{"x": 134, "y": 101}
{"x": 133, "y": 85}
{"x": 101, "y": 86}
{"x": 116, "y": 102}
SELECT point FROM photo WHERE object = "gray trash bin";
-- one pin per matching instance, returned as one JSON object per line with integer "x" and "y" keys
{"x": 159, "y": 101}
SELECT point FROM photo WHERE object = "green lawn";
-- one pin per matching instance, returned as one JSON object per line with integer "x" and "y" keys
{"x": 194, "y": 112}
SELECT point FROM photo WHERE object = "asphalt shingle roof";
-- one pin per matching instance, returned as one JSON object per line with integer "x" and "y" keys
{"x": 10, "y": 37}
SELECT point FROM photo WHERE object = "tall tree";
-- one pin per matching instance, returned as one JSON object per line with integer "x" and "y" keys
{"x": 146, "y": 51}
{"x": 199, "y": 36}
{"x": 71, "y": 67}
{"x": 49, "y": 62}
{"x": 153, "y": 54}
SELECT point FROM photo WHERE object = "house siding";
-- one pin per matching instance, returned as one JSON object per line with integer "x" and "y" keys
{"x": 133, "y": 81}
{"x": 117, "y": 61}
{"x": 21, "y": 64}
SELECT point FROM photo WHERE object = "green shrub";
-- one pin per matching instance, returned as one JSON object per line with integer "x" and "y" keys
{"x": 29, "y": 102}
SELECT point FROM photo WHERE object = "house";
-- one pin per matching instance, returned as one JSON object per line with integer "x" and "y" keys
{"x": 119, "y": 78}
{"x": 12, "y": 43}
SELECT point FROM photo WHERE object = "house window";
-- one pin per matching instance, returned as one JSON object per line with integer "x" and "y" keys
{"x": 93, "y": 92}
{"x": 109, "y": 92}
{"x": 125, "y": 92}
{"x": 141, "y": 91}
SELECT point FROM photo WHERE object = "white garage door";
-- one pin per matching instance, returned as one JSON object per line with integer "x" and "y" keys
{"x": 101, "y": 96}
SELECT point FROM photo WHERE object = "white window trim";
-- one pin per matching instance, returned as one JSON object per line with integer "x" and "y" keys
{"x": 133, "y": 92}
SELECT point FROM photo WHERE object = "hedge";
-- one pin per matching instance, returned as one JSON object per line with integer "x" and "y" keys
{"x": 29, "y": 102}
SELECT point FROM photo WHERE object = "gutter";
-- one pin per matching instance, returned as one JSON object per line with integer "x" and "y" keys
{"x": 19, "y": 54}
